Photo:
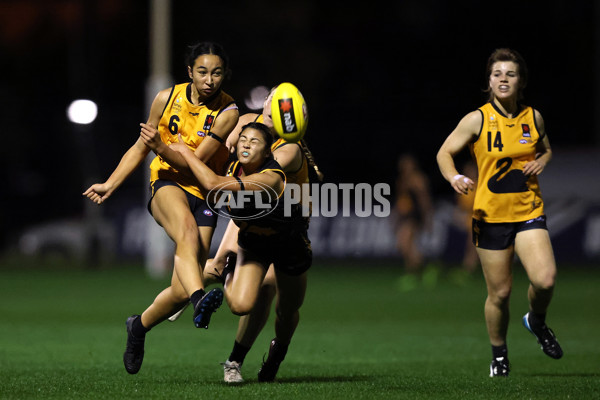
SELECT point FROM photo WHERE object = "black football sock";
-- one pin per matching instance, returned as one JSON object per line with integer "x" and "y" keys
{"x": 277, "y": 351}
{"x": 197, "y": 296}
{"x": 238, "y": 354}
{"x": 536, "y": 320}
{"x": 499, "y": 351}
{"x": 138, "y": 329}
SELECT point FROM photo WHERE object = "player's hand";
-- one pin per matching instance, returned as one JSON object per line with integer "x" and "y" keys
{"x": 98, "y": 192}
{"x": 461, "y": 184}
{"x": 534, "y": 167}
{"x": 151, "y": 138}
{"x": 179, "y": 146}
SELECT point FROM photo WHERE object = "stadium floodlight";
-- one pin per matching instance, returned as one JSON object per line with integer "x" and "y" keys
{"x": 82, "y": 111}
{"x": 256, "y": 97}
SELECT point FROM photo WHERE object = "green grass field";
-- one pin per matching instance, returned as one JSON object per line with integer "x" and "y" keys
{"x": 62, "y": 335}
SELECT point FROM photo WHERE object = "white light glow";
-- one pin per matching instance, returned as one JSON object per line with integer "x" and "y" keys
{"x": 82, "y": 111}
{"x": 256, "y": 98}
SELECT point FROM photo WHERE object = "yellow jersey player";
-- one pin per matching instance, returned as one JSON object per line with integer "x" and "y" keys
{"x": 510, "y": 146}
{"x": 203, "y": 115}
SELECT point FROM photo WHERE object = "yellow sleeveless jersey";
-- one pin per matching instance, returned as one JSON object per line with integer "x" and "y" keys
{"x": 194, "y": 123}
{"x": 503, "y": 147}
{"x": 301, "y": 175}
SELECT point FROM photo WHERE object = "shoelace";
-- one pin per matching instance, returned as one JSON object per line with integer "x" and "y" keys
{"x": 232, "y": 367}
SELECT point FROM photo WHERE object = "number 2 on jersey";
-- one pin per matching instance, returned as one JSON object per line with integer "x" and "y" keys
{"x": 497, "y": 143}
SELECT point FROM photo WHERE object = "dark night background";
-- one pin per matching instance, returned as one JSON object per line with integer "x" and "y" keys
{"x": 380, "y": 79}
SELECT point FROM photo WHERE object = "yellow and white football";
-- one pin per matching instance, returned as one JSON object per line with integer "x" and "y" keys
{"x": 289, "y": 112}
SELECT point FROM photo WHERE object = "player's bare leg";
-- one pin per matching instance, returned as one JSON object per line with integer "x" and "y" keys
{"x": 290, "y": 296}
{"x": 252, "y": 324}
{"x": 170, "y": 209}
{"x": 243, "y": 287}
{"x": 497, "y": 270}
{"x": 249, "y": 327}
{"x": 535, "y": 252}
{"x": 205, "y": 239}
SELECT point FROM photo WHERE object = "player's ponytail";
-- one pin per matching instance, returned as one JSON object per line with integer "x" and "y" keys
{"x": 314, "y": 173}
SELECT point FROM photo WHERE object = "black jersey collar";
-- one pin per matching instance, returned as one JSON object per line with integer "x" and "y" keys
{"x": 520, "y": 108}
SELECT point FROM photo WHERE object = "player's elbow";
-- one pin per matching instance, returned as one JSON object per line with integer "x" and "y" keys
{"x": 441, "y": 155}
{"x": 442, "y": 158}
{"x": 211, "y": 182}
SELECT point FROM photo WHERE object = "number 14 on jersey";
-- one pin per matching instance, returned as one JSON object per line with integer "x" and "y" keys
{"x": 496, "y": 142}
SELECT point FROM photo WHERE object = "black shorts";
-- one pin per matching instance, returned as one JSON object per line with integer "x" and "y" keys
{"x": 203, "y": 215}
{"x": 500, "y": 236}
{"x": 290, "y": 254}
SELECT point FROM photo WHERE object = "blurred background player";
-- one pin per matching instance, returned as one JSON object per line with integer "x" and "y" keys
{"x": 413, "y": 216}
{"x": 511, "y": 148}
{"x": 203, "y": 116}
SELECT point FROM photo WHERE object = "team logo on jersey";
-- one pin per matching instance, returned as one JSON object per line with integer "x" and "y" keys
{"x": 523, "y": 141}
{"x": 526, "y": 132}
{"x": 208, "y": 213}
{"x": 201, "y": 133}
{"x": 493, "y": 122}
{"x": 208, "y": 122}
{"x": 176, "y": 106}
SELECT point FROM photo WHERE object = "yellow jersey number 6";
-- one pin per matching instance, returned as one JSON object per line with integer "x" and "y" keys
{"x": 174, "y": 128}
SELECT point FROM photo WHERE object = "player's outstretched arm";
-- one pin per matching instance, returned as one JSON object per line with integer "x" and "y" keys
{"x": 136, "y": 154}
{"x": 208, "y": 180}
